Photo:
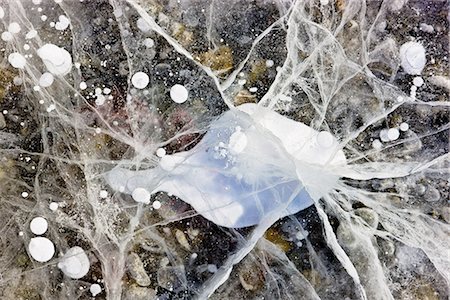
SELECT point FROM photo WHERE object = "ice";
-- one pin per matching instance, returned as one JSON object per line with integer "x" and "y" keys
{"x": 224, "y": 149}
{"x": 46, "y": 79}
{"x": 14, "y": 27}
{"x": 53, "y": 206}
{"x": 17, "y": 60}
{"x": 38, "y": 225}
{"x": 95, "y": 289}
{"x": 140, "y": 80}
{"x": 57, "y": 60}
{"x": 234, "y": 175}
{"x": 178, "y": 93}
{"x": 141, "y": 195}
{"x": 412, "y": 57}
{"x": 74, "y": 263}
{"x": 7, "y": 36}
{"x": 41, "y": 249}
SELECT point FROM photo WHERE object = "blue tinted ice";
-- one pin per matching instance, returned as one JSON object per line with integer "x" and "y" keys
{"x": 241, "y": 172}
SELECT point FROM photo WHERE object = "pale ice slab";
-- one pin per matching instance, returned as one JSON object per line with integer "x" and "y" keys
{"x": 252, "y": 163}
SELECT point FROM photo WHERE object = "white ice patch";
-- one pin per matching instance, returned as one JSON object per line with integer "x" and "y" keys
{"x": 178, "y": 93}
{"x": 75, "y": 263}
{"x": 140, "y": 80}
{"x": 17, "y": 60}
{"x": 57, "y": 60}
{"x": 41, "y": 249}
{"x": 160, "y": 152}
{"x": 103, "y": 194}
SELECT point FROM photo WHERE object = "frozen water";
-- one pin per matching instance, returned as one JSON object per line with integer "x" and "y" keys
{"x": 237, "y": 181}
{"x": 74, "y": 263}
{"x": 224, "y": 149}
{"x": 38, "y": 225}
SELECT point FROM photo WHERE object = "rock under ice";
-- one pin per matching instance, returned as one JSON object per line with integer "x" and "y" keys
{"x": 252, "y": 163}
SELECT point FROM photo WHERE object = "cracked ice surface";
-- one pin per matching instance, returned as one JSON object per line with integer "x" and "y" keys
{"x": 224, "y": 149}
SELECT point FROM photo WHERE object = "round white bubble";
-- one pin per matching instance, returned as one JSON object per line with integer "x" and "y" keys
{"x": 376, "y": 144}
{"x": 393, "y": 134}
{"x": 57, "y": 60}
{"x": 7, "y": 36}
{"x": 17, "y": 60}
{"x": 384, "y": 135}
{"x": 156, "y": 204}
{"x": 41, "y": 249}
{"x": 140, "y": 80}
{"x": 412, "y": 58}
{"x": 75, "y": 263}
{"x": 404, "y": 126}
{"x": 418, "y": 81}
{"x": 38, "y": 225}
{"x": 160, "y": 152}
{"x": 149, "y": 43}
{"x": 46, "y": 79}
{"x": 14, "y": 27}
{"x": 53, "y": 206}
{"x": 95, "y": 289}
{"x": 141, "y": 195}
{"x": 178, "y": 93}
{"x": 269, "y": 63}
